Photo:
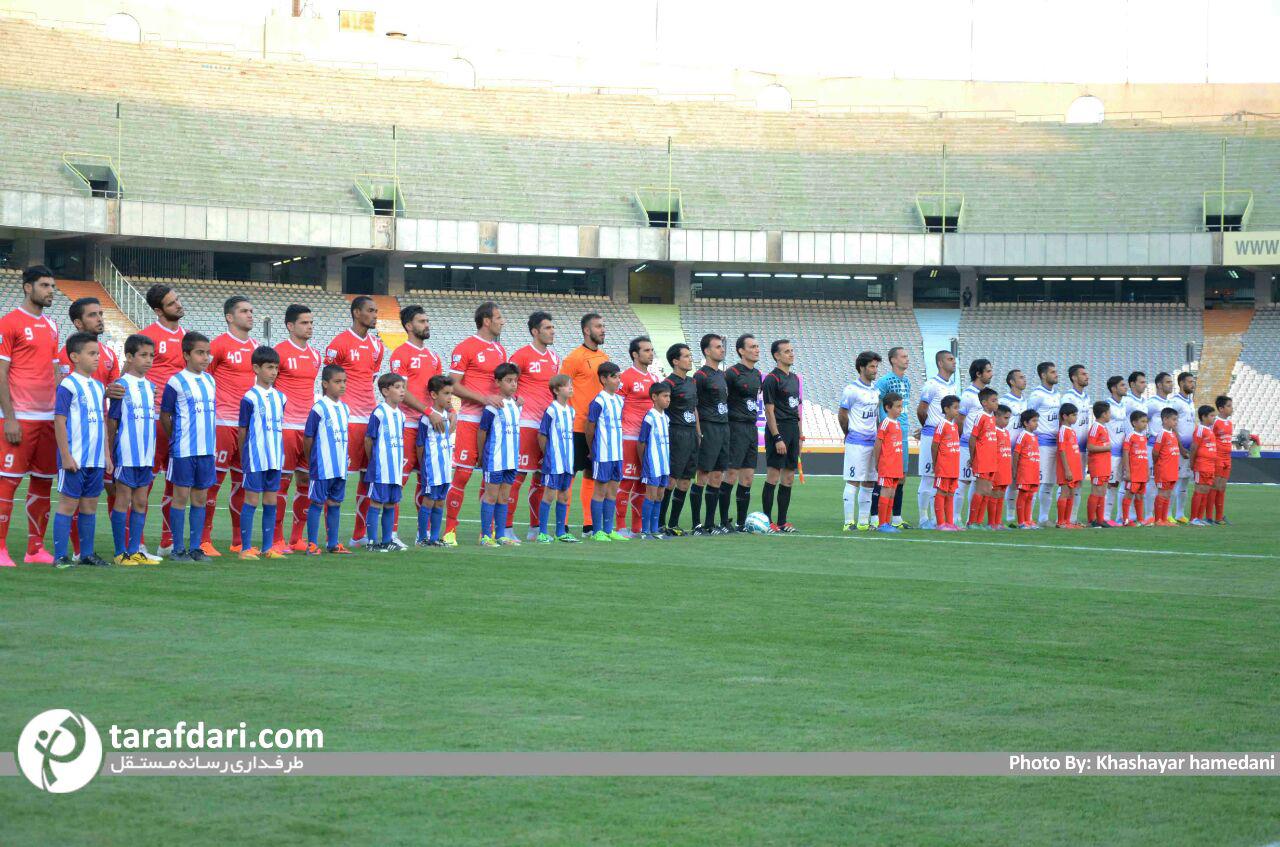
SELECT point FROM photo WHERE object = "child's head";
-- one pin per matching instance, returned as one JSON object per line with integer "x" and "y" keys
{"x": 440, "y": 387}
{"x": 1169, "y": 418}
{"x": 892, "y": 403}
{"x": 950, "y": 407}
{"x": 1223, "y": 404}
{"x": 1138, "y": 420}
{"x": 660, "y": 394}
{"x": 609, "y": 376}
{"x": 195, "y": 352}
{"x": 82, "y": 350}
{"x": 561, "y": 388}
{"x": 988, "y": 398}
{"x": 1030, "y": 420}
{"x": 266, "y": 365}
{"x": 1102, "y": 411}
{"x": 1206, "y": 414}
{"x": 139, "y": 354}
{"x": 333, "y": 381}
{"x": 392, "y": 387}
{"x": 507, "y": 377}
{"x": 1003, "y": 413}
{"x": 1067, "y": 414}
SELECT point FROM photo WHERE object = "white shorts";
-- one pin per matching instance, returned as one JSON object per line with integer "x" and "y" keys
{"x": 1184, "y": 467}
{"x": 857, "y": 463}
{"x": 926, "y": 457}
{"x": 1115, "y": 470}
{"x": 1048, "y": 464}
{"x": 966, "y": 472}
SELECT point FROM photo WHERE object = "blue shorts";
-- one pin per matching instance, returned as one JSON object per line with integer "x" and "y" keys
{"x": 322, "y": 490}
{"x": 191, "y": 472}
{"x": 135, "y": 477}
{"x": 660, "y": 481}
{"x": 500, "y": 477}
{"x": 606, "y": 471}
{"x": 557, "y": 481}
{"x": 260, "y": 481}
{"x": 86, "y": 482}
{"x": 385, "y": 492}
{"x": 434, "y": 492}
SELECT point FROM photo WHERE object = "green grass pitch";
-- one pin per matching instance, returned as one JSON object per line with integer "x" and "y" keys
{"x": 1133, "y": 639}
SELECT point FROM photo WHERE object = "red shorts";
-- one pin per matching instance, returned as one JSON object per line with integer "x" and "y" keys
{"x": 356, "y": 458}
{"x": 1028, "y": 486}
{"x": 36, "y": 454}
{"x": 1203, "y": 478}
{"x": 1166, "y": 484}
{"x": 227, "y": 448}
{"x": 1072, "y": 485}
{"x": 1136, "y": 488}
{"x": 1099, "y": 481}
{"x": 630, "y": 457}
{"x": 162, "y": 450}
{"x": 989, "y": 476}
{"x": 1224, "y": 470}
{"x": 464, "y": 445}
{"x": 890, "y": 481}
{"x": 294, "y": 458}
{"x": 530, "y": 452}
{"x": 410, "y": 451}
{"x": 946, "y": 485}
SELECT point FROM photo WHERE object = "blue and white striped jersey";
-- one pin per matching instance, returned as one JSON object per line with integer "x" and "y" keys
{"x": 606, "y": 412}
{"x": 189, "y": 398}
{"x": 262, "y": 416}
{"x": 386, "y": 461}
{"x": 135, "y": 415}
{"x": 502, "y": 447}
{"x": 81, "y": 400}
{"x": 557, "y": 427}
{"x": 656, "y": 438}
{"x": 327, "y": 426}
{"x": 436, "y": 467}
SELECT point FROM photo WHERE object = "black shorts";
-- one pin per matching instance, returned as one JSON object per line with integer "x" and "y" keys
{"x": 713, "y": 452}
{"x": 790, "y": 432}
{"x": 581, "y": 461}
{"x": 744, "y": 445}
{"x": 684, "y": 451}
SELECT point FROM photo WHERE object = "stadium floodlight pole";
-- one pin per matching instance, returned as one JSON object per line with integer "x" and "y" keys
{"x": 119, "y": 153}
{"x": 668, "y": 190}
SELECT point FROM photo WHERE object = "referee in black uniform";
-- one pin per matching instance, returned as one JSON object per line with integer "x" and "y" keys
{"x": 744, "y": 439}
{"x": 682, "y": 418}
{"x": 783, "y": 432}
{"x": 713, "y": 428}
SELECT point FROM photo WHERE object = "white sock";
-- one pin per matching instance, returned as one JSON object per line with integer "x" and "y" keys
{"x": 964, "y": 495}
{"x": 1108, "y": 503}
{"x": 850, "y": 500}
{"x": 924, "y": 501}
{"x": 1011, "y": 504}
{"x": 1149, "y": 499}
{"x": 864, "y": 505}
{"x": 1180, "y": 498}
{"x": 1120, "y": 510}
{"x": 1047, "y": 502}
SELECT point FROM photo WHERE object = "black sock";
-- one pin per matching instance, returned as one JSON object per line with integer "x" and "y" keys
{"x": 744, "y": 503}
{"x": 897, "y": 501}
{"x": 666, "y": 504}
{"x": 677, "y": 505}
{"x": 695, "y": 502}
{"x": 712, "y": 496}
{"x": 766, "y": 499}
{"x": 726, "y": 494}
{"x": 784, "y": 501}
{"x": 875, "y": 499}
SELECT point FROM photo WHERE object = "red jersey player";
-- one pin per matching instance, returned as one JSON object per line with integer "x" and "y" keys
{"x": 417, "y": 364}
{"x": 1098, "y": 450}
{"x": 86, "y": 316}
{"x": 167, "y": 335}
{"x": 360, "y": 352}
{"x": 231, "y": 367}
{"x": 1026, "y": 468}
{"x": 1224, "y": 431}
{"x": 886, "y": 458}
{"x": 472, "y": 365}
{"x": 1002, "y": 477}
{"x": 1135, "y": 467}
{"x": 28, "y": 379}
{"x": 636, "y": 403}
{"x": 1167, "y": 456}
{"x": 299, "y": 366}
{"x": 946, "y": 464}
{"x": 982, "y": 454}
{"x": 1204, "y": 463}
{"x": 537, "y": 363}
{"x": 1069, "y": 470}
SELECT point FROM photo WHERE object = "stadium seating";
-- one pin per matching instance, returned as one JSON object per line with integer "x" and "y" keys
{"x": 1108, "y": 338}
{"x": 211, "y": 128}
{"x": 1255, "y": 386}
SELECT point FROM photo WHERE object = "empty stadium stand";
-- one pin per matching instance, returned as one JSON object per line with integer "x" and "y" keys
{"x": 1255, "y": 388}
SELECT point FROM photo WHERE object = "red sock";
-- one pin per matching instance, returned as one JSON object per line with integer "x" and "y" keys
{"x": 281, "y": 499}
{"x": 951, "y": 509}
{"x": 301, "y": 504}
{"x": 453, "y": 503}
{"x": 637, "y": 505}
{"x": 513, "y": 499}
{"x": 1220, "y": 503}
{"x": 212, "y": 500}
{"x": 362, "y": 511}
{"x": 1064, "y": 503}
{"x": 885, "y": 510}
{"x": 585, "y": 496}
{"x": 1020, "y": 508}
{"x": 940, "y": 508}
{"x": 38, "y": 488}
{"x": 977, "y": 508}
{"x": 8, "y": 485}
{"x": 1139, "y": 509}
{"x": 166, "y": 499}
{"x": 995, "y": 504}
{"x": 237, "y": 505}
{"x": 536, "y": 492}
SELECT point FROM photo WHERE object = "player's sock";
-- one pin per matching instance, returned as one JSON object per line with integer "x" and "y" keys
{"x": 646, "y": 514}
{"x": 977, "y": 505}
{"x": 282, "y": 497}
{"x": 37, "y": 511}
{"x": 1044, "y": 497}
{"x": 88, "y": 524}
{"x": 695, "y": 502}
{"x": 609, "y": 511}
{"x": 743, "y": 502}
{"x": 784, "y": 503}
{"x": 75, "y": 539}
{"x": 995, "y": 505}
{"x": 512, "y": 500}
{"x": 301, "y": 514}
{"x": 1091, "y": 508}
{"x": 864, "y": 505}
{"x": 212, "y": 503}
{"x": 119, "y": 531}
{"x": 536, "y": 492}
{"x": 562, "y": 518}
{"x": 1149, "y": 498}
{"x": 236, "y": 499}
{"x": 766, "y": 499}
{"x": 586, "y": 496}
{"x": 8, "y": 485}
{"x": 662, "y": 509}
{"x": 940, "y": 509}
{"x": 885, "y": 510}
{"x": 726, "y": 496}
{"x": 1179, "y": 498}
{"x": 544, "y": 514}
{"x": 166, "y": 517}
{"x": 656, "y": 520}
{"x": 636, "y": 500}
{"x": 875, "y": 501}
{"x": 313, "y": 523}
{"x": 711, "y": 493}
{"x": 453, "y": 502}
{"x": 61, "y": 535}
{"x": 362, "y": 511}
{"x": 333, "y": 523}
{"x": 897, "y": 503}
{"x": 389, "y": 522}
{"x": 1220, "y": 504}
{"x": 925, "y": 499}
{"x": 597, "y": 515}
{"x": 850, "y": 500}
{"x": 1022, "y": 508}
{"x": 1197, "y": 506}
{"x": 623, "y": 500}
{"x": 195, "y": 523}
{"x": 437, "y": 522}
{"x": 269, "y": 512}
{"x": 373, "y": 525}
{"x": 949, "y": 509}
{"x": 1011, "y": 495}
{"x": 424, "y": 518}
{"x": 247, "y": 512}
{"x": 486, "y": 519}
{"x": 137, "y": 520}
{"x": 178, "y": 523}
{"x": 677, "y": 505}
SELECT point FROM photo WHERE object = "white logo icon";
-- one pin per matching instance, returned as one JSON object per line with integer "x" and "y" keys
{"x": 59, "y": 751}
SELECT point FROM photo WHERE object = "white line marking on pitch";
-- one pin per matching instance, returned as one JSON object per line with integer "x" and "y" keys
{"x": 1080, "y": 548}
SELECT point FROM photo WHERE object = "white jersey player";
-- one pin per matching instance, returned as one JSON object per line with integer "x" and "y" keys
{"x": 980, "y": 373}
{"x": 929, "y": 413}
{"x": 1185, "y": 404}
{"x": 1016, "y": 399}
{"x": 1045, "y": 401}
{"x": 1160, "y": 401}
{"x": 859, "y": 418}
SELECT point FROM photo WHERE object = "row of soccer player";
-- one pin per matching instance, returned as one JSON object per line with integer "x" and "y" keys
{"x": 1120, "y": 443}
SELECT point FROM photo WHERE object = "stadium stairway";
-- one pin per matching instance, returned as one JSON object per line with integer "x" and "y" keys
{"x": 118, "y": 327}
{"x": 938, "y": 327}
{"x": 1224, "y": 331}
{"x": 664, "y": 327}
{"x": 389, "y": 327}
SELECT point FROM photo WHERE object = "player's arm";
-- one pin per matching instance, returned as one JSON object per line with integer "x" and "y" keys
{"x": 935, "y": 446}
{"x": 544, "y": 430}
{"x": 115, "y": 389}
{"x": 1124, "y": 463}
{"x": 1014, "y": 457}
{"x": 12, "y": 429}
{"x": 371, "y": 434}
{"x": 1066, "y": 466}
{"x": 843, "y": 417}
{"x": 974, "y": 438}
{"x": 589, "y": 427}
{"x": 922, "y": 412}
{"x": 875, "y": 450}
{"x": 168, "y": 403}
{"x": 64, "y": 443}
{"x": 1195, "y": 448}
{"x": 246, "y": 418}
{"x": 482, "y": 436}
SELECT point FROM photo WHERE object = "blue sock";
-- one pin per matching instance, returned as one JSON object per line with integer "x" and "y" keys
{"x": 500, "y": 519}
{"x": 656, "y": 517}
{"x": 424, "y": 523}
{"x": 486, "y": 519}
{"x": 247, "y": 513}
{"x": 137, "y": 521}
{"x": 88, "y": 525}
{"x": 119, "y": 525}
{"x": 313, "y": 523}
{"x": 562, "y": 518}
{"x": 437, "y": 522}
{"x": 388, "y": 522}
{"x": 332, "y": 523}
{"x": 61, "y": 534}
{"x": 373, "y": 524}
{"x": 268, "y": 527}
{"x": 646, "y": 512}
{"x": 196, "y": 517}
{"x": 176, "y": 525}
{"x": 597, "y": 515}
{"x": 544, "y": 512}
{"x": 610, "y": 514}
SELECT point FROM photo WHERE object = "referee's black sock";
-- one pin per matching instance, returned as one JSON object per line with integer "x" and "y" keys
{"x": 695, "y": 503}
{"x": 713, "y": 499}
{"x": 875, "y": 499}
{"x": 784, "y": 502}
{"x": 677, "y": 506}
{"x": 766, "y": 500}
{"x": 662, "y": 512}
{"x": 744, "y": 503}
{"x": 726, "y": 494}
{"x": 897, "y": 502}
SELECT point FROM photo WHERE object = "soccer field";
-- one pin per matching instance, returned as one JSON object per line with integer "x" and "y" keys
{"x": 1128, "y": 639}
